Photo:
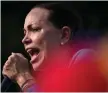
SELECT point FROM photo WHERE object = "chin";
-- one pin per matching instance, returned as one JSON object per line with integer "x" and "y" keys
{"x": 38, "y": 66}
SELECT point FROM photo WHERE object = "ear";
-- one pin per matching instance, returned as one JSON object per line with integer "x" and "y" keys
{"x": 65, "y": 34}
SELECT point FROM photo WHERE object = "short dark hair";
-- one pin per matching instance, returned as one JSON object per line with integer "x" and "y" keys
{"x": 61, "y": 16}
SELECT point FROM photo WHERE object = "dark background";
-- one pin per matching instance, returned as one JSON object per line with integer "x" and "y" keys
{"x": 94, "y": 16}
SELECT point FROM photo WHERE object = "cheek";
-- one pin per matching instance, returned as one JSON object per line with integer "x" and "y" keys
{"x": 38, "y": 39}
{"x": 53, "y": 38}
{"x": 52, "y": 41}
{"x": 46, "y": 39}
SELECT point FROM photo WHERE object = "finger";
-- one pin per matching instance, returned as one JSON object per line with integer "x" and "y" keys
{"x": 21, "y": 56}
{"x": 15, "y": 56}
{"x": 18, "y": 55}
{"x": 12, "y": 58}
{"x": 6, "y": 65}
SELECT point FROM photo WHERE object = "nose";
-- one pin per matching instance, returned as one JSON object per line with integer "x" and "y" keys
{"x": 26, "y": 40}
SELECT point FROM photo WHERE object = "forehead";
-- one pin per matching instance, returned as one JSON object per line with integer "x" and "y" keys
{"x": 36, "y": 16}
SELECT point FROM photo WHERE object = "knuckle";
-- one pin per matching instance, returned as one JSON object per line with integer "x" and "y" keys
{"x": 10, "y": 58}
{"x": 13, "y": 56}
{"x": 21, "y": 56}
{"x": 6, "y": 63}
{"x": 5, "y": 67}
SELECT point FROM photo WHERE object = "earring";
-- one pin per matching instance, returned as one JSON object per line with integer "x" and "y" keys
{"x": 62, "y": 43}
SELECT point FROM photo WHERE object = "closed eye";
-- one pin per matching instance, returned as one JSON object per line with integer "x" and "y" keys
{"x": 35, "y": 29}
{"x": 32, "y": 28}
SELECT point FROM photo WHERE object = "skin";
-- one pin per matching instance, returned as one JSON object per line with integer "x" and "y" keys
{"x": 40, "y": 33}
{"x": 44, "y": 37}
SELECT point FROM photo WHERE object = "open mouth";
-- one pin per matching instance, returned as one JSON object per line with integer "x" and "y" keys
{"x": 33, "y": 51}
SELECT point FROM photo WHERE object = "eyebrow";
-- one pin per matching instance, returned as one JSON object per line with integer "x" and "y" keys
{"x": 28, "y": 27}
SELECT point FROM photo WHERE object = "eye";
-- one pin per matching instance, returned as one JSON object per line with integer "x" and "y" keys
{"x": 36, "y": 29}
